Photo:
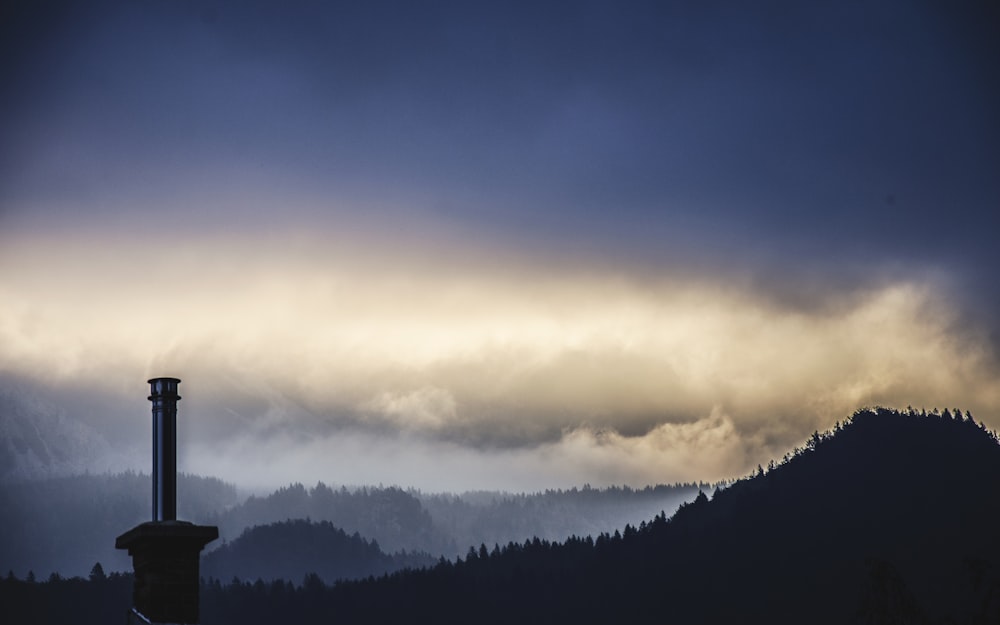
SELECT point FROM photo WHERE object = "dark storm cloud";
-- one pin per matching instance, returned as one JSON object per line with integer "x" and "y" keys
{"x": 662, "y": 131}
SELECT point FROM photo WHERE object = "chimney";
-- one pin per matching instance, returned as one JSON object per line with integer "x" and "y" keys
{"x": 164, "y": 397}
{"x": 165, "y": 552}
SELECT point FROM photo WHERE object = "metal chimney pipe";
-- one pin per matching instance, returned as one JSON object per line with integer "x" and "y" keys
{"x": 163, "y": 394}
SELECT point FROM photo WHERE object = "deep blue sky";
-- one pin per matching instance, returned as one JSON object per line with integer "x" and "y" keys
{"x": 803, "y": 152}
{"x": 832, "y": 127}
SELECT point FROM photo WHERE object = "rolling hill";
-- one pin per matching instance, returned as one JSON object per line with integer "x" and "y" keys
{"x": 891, "y": 517}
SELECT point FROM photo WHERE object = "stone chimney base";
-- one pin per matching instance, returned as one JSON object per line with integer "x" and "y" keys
{"x": 165, "y": 561}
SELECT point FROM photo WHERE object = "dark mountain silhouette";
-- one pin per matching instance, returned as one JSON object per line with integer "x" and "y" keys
{"x": 39, "y": 440}
{"x": 486, "y": 517}
{"x": 293, "y": 549}
{"x": 891, "y": 518}
{"x": 446, "y": 524}
{"x": 66, "y": 524}
{"x": 390, "y": 515}
{"x": 62, "y": 524}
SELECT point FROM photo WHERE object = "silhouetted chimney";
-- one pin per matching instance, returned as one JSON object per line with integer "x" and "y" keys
{"x": 164, "y": 397}
{"x": 165, "y": 551}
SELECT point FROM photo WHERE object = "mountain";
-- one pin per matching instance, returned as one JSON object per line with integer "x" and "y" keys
{"x": 390, "y": 515}
{"x": 66, "y": 524}
{"x": 890, "y": 518}
{"x": 293, "y": 549}
{"x": 447, "y": 524}
{"x": 38, "y": 440}
{"x": 486, "y": 517}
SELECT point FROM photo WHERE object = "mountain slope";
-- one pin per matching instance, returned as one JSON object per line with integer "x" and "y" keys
{"x": 498, "y": 518}
{"x": 37, "y": 440}
{"x": 390, "y": 515}
{"x": 292, "y": 549}
{"x": 66, "y": 524}
{"x": 446, "y": 524}
{"x": 890, "y": 518}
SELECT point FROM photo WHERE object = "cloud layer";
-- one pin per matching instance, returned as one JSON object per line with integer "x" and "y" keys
{"x": 638, "y": 379}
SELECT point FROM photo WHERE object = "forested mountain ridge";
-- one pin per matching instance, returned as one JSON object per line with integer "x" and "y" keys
{"x": 447, "y": 524}
{"x": 39, "y": 440}
{"x": 293, "y": 549}
{"x": 391, "y": 516}
{"x": 499, "y": 518}
{"x": 889, "y": 518}
{"x": 66, "y": 524}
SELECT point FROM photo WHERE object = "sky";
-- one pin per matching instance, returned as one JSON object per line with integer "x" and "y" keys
{"x": 463, "y": 245}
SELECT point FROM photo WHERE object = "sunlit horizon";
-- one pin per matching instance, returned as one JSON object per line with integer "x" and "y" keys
{"x": 445, "y": 372}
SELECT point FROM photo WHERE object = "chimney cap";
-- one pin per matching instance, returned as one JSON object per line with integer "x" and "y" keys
{"x": 163, "y": 386}
{"x": 164, "y": 379}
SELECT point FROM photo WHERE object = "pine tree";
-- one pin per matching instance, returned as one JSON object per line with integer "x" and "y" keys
{"x": 97, "y": 573}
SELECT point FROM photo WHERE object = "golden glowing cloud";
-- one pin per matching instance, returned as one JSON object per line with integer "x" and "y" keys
{"x": 632, "y": 378}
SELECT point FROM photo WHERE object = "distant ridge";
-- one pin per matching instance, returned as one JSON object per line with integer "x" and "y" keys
{"x": 291, "y": 550}
{"x": 38, "y": 440}
{"x": 65, "y": 524}
{"x": 446, "y": 524}
{"x": 891, "y": 517}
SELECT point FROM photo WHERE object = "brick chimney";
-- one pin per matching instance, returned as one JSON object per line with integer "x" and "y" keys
{"x": 165, "y": 552}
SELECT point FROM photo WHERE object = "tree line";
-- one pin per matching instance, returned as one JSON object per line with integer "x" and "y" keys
{"x": 888, "y": 517}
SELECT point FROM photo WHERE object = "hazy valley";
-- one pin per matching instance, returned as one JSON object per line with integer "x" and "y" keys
{"x": 854, "y": 526}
